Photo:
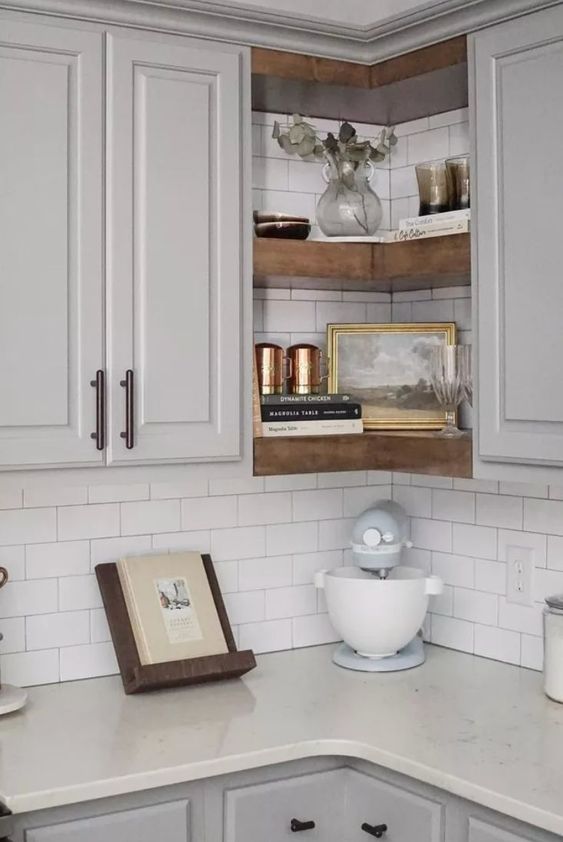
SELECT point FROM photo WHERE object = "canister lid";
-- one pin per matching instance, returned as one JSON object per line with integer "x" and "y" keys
{"x": 555, "y": 602}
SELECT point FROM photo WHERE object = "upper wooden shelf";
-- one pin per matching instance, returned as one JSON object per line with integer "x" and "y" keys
{"x": 413, "y": 452}
{"x": 418, "y": 264}
{"x": 417, "y": 84}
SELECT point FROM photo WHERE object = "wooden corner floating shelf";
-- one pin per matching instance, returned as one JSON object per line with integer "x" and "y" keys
{"x": 417, "y": 264}
{"x": 416, "y": 84}
{"x": 412, "y": 452}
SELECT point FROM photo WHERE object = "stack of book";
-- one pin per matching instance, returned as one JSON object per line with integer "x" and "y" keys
{"x": 310, "y": 415}
{"x": 434, "y": 225}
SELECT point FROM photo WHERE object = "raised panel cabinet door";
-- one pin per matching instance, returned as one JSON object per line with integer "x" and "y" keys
{"x": 480, "y": 831}
{"x": 518, "y": 186}
{"x": 396, "y": 814}
{"x": 174, "y": 249}
{"x": 268, "y": 812}
{"x": 51, "y": 303}
{"x": 169, "y": 822}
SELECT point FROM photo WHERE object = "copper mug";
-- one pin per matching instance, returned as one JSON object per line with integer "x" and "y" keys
{"x": 273, "y": 368}
{"x": 305, "y": 373}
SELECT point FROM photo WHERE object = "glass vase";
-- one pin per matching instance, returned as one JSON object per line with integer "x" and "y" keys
{"x": 348, "y": 207}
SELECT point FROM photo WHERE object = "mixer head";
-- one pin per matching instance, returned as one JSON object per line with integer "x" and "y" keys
{"x": 378, "y": 537}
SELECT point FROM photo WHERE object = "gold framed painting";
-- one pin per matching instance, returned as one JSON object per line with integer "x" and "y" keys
{"x": 386, "y": 367}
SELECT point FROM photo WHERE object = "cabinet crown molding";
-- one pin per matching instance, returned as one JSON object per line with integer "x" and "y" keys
{"x": 435, "y": 21}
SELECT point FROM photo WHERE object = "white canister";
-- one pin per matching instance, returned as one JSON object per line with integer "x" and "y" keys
{"x": 553, "y": 647}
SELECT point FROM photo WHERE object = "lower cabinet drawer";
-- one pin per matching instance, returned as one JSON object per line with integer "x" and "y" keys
{"x": 267, "y": 812}
{"x": 390, "y": 813}
{"x": 168, "y": 822}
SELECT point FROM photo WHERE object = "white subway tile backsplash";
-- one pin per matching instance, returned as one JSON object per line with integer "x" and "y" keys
{"x": 499, "y": 510}
{"x": 25, "y": 668}
{"x": 318, "y": 504}
{"x": 274, "y": 507}
{"x": 432, "y": 534}
{"x": 554, "y": 552}
{"x": 301, "y": 315}
{"x": 449, "y": 118}
{"x": 21, "y": 599}
{"x": 531, "y": 652}
{"x": 459, "y": 139}
{"x": 454, "y": 569}
{"x": 342, "y": 479}
{"x": 305, "y": 565}
{"x": 27, "y": 526}
{"x": 543, "y": 516}
{"x": 234, "y": 485}
{"x": 294, "y": 482}
{"x": 154, "y": 516}
{"x": 94, "y": 521}
{"x": 339, "y": 312}
{"x": 198, "y": 540}
{"x": 54, "y": 630}
{"x": 78, "y": 592}
{"x": 99, "y": 629}
{"x": 357, "y": 500}
{"x": 476, "y": 606}
{"x": 477, "y": 541}
{"x": 429, "y": 145}
{"x": 270, "y": 174}
{"x": 262, "y": 573}
{"x": 13, "y": 631}
{"x": 245, "y": 607}
{"x": 452, "y": 632}
{"x": 415, "y": 501}
{"x": 54, "y": 495}
{"x": 118, "y": 493}
{"x": 13, "y": 558}
{"x": 241, "y": 542}
{"x": 378, "y": 313}
{"x": 93, "y": 659}
{"x": 453, "y": 505}
{"x": 291, "y": 538}
{"x": 67, "y": 559}
{"x": 496, "y": 643}
{"x": 313, "y": 630}
{"x": 291, "y": 602}
{"x": 490, "y": 576}
{"x": 207, "y": 512}
{"x": 194, "y": 487}
{"x": 103, "y": 550}
{"x": 520, "y": 618}
{"x": 269, "y": 636}
{"x": 515, "y": 538}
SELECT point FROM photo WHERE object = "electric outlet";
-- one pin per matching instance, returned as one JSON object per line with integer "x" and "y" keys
{"x": 519, "y": 572}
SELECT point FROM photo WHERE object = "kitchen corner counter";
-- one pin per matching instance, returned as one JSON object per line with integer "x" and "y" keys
{"x": 476, "y": 728}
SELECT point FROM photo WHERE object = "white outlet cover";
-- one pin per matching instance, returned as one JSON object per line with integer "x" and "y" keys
{"x": 519, "y": 575}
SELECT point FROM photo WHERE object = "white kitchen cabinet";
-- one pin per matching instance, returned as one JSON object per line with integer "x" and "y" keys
{"x": 372, "y": 805}
{"x": 482, "y": 831}
{"x": 174, "y": 248}
{"x": 51, "y": 301}
{"x": 307, "y": 807}
{"x": 517, "y": 186}
{"x": 169, "y": 821}
{"x": 124, "y": 233}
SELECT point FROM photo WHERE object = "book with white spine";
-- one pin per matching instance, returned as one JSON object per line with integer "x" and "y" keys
{"x": 430, "y": 220}
{"x": 332, "y": 427}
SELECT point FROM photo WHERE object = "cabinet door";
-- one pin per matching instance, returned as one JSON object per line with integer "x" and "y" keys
{"x": 174, "y": 248}
{"x": 51, "y": 304}
{"x": 264, "y": 812}
{"x": 168, "y": 821}
{"x": 518, "y": 185}
{"x": 480, "y": 831}
{"x": 406, "y": 816}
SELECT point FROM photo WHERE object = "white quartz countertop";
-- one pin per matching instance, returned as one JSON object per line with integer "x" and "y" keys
{"x": 476, "y": 728}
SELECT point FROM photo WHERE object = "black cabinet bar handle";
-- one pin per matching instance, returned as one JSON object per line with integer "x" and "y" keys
{"x": 376, "y": 830}
{"x": 100, "y": 386}
{"x": 129, "y": 409}
{"x": 296, "y": 825}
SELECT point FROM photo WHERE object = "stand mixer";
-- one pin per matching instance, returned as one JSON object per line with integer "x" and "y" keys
{"x": 377, "y": 605}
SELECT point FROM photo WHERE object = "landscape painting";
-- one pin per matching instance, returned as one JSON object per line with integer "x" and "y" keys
{"x": 387, "y": 369}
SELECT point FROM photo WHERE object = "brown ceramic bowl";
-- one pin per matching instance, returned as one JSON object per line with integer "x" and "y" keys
{"x": 283, "y": 230}
{"x": 260, "y": 216}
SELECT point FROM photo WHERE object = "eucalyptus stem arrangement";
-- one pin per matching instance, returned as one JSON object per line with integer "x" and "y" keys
{"x": 348, "y": 207}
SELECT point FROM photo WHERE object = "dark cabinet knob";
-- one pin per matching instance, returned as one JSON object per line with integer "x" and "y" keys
{"x": 297, "y": 826}
{"x": 376, "y": 830}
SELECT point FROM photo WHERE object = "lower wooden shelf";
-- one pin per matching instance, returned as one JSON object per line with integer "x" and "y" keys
{"x": 411, "y": 452}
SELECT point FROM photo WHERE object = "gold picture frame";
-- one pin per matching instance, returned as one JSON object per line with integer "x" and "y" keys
{"x": 402, "y": 348}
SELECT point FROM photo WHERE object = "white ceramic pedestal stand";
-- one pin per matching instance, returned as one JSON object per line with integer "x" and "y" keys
{"x": 11, "y": 698}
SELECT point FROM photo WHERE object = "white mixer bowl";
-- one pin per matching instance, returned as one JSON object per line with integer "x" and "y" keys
{"x": 377, "y": 617}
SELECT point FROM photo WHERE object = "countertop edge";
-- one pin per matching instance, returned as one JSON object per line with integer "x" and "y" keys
{"x": 192, "y": 772}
